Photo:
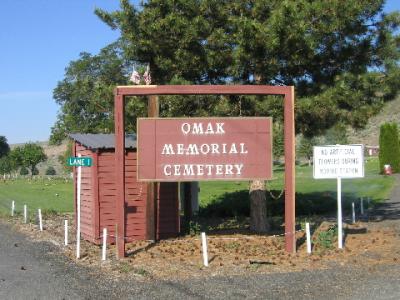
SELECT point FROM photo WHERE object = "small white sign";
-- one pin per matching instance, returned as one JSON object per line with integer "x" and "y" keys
{"x": 344, "y": 161}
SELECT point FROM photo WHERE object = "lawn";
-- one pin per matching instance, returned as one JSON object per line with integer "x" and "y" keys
{"x": 218, "y": 198}
{"x": 312, "y": 196}
{"x": 49, "y": 195}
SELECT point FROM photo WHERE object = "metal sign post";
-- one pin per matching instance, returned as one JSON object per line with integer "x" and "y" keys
{"x": 78, "y": 210}
{"x": 339, "y": 213}
{"x": 79, "y": 162}
{"x": 338, "y": 161}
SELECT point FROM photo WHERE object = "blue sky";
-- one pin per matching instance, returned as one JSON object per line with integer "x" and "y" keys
{"x": 38, "y": 38}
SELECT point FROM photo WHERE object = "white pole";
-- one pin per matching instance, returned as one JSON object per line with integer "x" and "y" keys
{"x": 308, "y": 237}
{"x": 25, "y": 214}
{"x": 78, "y": 209}
{"x": 40, "y": 219}
{"x": 339, "y": 213}
{"x": 353, "y": 212}
{"x": 12, "y": 208}
{"x": 204, "y": 246}
{"x": 103, "y": 254}
{"x": 362, "y": 205}
{"x": 66, "y": 232}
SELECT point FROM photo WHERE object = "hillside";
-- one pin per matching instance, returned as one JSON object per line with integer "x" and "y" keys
{"x": 52, "y": 153}
{"x": 370, "y": 135}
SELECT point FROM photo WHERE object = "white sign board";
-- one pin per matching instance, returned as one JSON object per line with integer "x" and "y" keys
{"x": 344, "y": 161}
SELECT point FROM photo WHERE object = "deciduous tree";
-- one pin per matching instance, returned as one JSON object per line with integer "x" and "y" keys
{"x": 29, "y": 156}
{"x": 4, "y": 147}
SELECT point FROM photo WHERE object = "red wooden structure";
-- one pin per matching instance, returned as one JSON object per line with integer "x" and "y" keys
{"x": 99, "y": 193}
{"x": 152, "y": 91}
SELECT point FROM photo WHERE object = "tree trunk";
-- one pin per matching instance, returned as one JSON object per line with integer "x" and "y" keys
{"x": 258, "y": 201}
{"x": 258, "y": 207}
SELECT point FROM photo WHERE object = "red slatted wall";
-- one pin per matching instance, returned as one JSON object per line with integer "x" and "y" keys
{"x": 136, "y": 197}
{"x": 87, "y": 203}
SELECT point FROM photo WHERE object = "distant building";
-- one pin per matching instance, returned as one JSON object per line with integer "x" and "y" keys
{"x": 372, "y": 150}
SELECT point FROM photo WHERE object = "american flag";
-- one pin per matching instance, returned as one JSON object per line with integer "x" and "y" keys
{"x": 135, "y": 77}
{"x": 146, "y": 76}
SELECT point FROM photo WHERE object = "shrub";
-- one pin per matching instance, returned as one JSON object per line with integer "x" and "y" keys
{"x": 35, "y": 171}
{"x": 389, "y": 147}
{"x": 23, "y": 171}
{"x": 336, "y": 135}
{"x": 51, "y": 171}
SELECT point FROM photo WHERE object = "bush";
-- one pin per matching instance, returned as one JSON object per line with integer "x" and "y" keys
{"x": 336, "y": 135}
{"x": 23, "y": 171}
{"x": 51, "y": 171}
{"x": 35, "y": 171}
{"x": 389, "y": 147}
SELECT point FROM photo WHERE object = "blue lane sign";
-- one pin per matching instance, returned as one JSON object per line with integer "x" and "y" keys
{"x": 79, "y": 162}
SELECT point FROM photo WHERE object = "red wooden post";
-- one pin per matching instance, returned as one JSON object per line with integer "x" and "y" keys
{"x": 289, "y": 132}
{"x": 153, "y": 111}
{"x": 119, "y": 109}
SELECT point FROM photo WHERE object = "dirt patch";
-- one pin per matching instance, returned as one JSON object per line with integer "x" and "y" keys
{"x": 366, "y": 244}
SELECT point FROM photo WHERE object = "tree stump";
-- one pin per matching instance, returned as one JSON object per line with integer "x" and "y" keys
{"x": 258, "y": 207}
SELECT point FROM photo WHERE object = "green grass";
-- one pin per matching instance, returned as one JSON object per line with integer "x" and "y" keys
{"x": 218, "y": 198}
{"x": 313, "y": 196}
{"x": 41, "y": 193}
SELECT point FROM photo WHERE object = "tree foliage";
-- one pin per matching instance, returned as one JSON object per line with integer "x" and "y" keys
{"x": 6, "y": 165}
{"x": 28, "y": 156}
{"x": 306, "y": 147}
{"x": 51, "y": 171}
{"x": 24, "y": 171}
{"x": 4, "y": 147}
{"x": 389, "y": 147}
{"x": 85, "y": 95}
{"x": 340, "y": 55}
{"x": 62, "y": 158}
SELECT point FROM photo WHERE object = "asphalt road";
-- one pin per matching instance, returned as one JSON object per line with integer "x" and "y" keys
{"x": 36, "y": 270}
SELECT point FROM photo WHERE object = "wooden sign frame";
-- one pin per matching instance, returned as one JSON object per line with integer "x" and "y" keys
{"x": 153, "y": 90}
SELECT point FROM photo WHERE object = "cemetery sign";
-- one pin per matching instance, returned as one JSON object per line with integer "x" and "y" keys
{"x": 183, "y": 149}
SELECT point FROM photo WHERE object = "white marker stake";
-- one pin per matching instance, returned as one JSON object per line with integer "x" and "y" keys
{"x": 103, "y": 254}
{"x": 308, "y": 238}
{"x": 40, "y": 219}
{"x": 12, "y": 208}
{"x": 25, "y": 214}
{"x": 204, "y": 246}
{"x": 362, "y": 205}
{"x": 353, "y": 212}
{"x": 78, "y": 208}
{"x": 66, "y": 232}
{"x": 339, "y": 213}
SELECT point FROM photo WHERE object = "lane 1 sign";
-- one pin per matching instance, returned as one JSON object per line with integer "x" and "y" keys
{"x": 79, "y": 162}
{"x": 344, "y": 161}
